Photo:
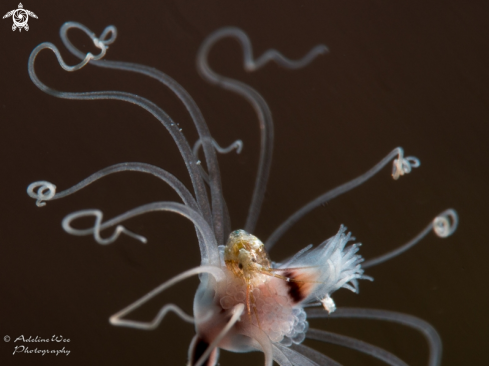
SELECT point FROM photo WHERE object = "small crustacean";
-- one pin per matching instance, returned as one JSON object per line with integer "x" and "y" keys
{"x": 246, "y": 258}
{"x": 238, "y": 276}
{"x": 277, "y": 294}
{"x": 311, "y": 272}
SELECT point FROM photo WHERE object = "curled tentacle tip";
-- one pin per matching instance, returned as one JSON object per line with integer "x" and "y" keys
{"x": 446, "y": 223}
{"x": 321, "y": 48}
{"x": 97, "y": 227}
{"x": 121, "y": 229}
{"x": 401, "y": 165}
{"x": 112, "y": 30}
{"x": 238, "y": 145}
{"x": 45, "y": 192}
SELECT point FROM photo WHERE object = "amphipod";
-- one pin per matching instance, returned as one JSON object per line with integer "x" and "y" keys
{"x": 273, "y": 296}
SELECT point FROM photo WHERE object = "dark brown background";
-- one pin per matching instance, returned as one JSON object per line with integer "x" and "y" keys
{"x": 400, "y": 73}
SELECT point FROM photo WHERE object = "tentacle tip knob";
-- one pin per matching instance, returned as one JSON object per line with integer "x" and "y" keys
{"x": 322, "y": 48}
{"x": 238, "y": 145}
{"x": 41, "y": 191}
{"x": 401, "y": 165}
{"x": 446, "y": 223}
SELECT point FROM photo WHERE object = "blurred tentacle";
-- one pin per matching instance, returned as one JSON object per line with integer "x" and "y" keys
{"x": 357, "y": 345}
{"x": 255, "y": 99}
{"x": 428, "y": 331}
{"x": 314, "y": 355}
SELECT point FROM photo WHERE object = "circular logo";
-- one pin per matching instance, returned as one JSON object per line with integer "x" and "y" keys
{"x": 20, "y": 18}
{"x": 6, "y": 338}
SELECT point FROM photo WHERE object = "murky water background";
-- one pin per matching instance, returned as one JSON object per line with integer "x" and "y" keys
{"x": 407, "y": 74}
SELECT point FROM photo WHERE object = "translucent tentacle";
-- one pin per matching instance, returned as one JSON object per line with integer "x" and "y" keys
{"x": 357, "y": 345}
{"x": 37, "y": 190}
{"x": 255, "y": 99}
{"x": 212, "y": 360}
{"x": 295, "y": 256}
{"x": 157, "y": 112}
{"x": 116, "y": 318}
{"x": 262, "y": 341}
{"x": 97, "y": 227}
{"x": 208, "y": 247}
{"x": 429, "y": 332}
{"x": 314, "y": 355}
{"x": 296, "y": 358}
{"x": 401, "y": 166}
{"x": 237, "y": 311}
{"x": 279, "y": 357}
{"x": 45, "y": 192}
{"x": 86, "y": 58}
{"x": 443, "y": 225}
{"x": 218, "y": 202}
{"x": 236, "y": 145}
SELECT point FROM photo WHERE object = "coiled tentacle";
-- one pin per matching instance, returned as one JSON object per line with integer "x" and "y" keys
{"x": 219, "y": 211}
{"x": 152, "y": 108}
{"x": 208, "y": 248}
{"x": 441, "y": 226}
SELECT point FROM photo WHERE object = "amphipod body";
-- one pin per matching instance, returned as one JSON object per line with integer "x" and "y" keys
{"x": 245, "y": 255}
{"x": 246, "y": 258}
